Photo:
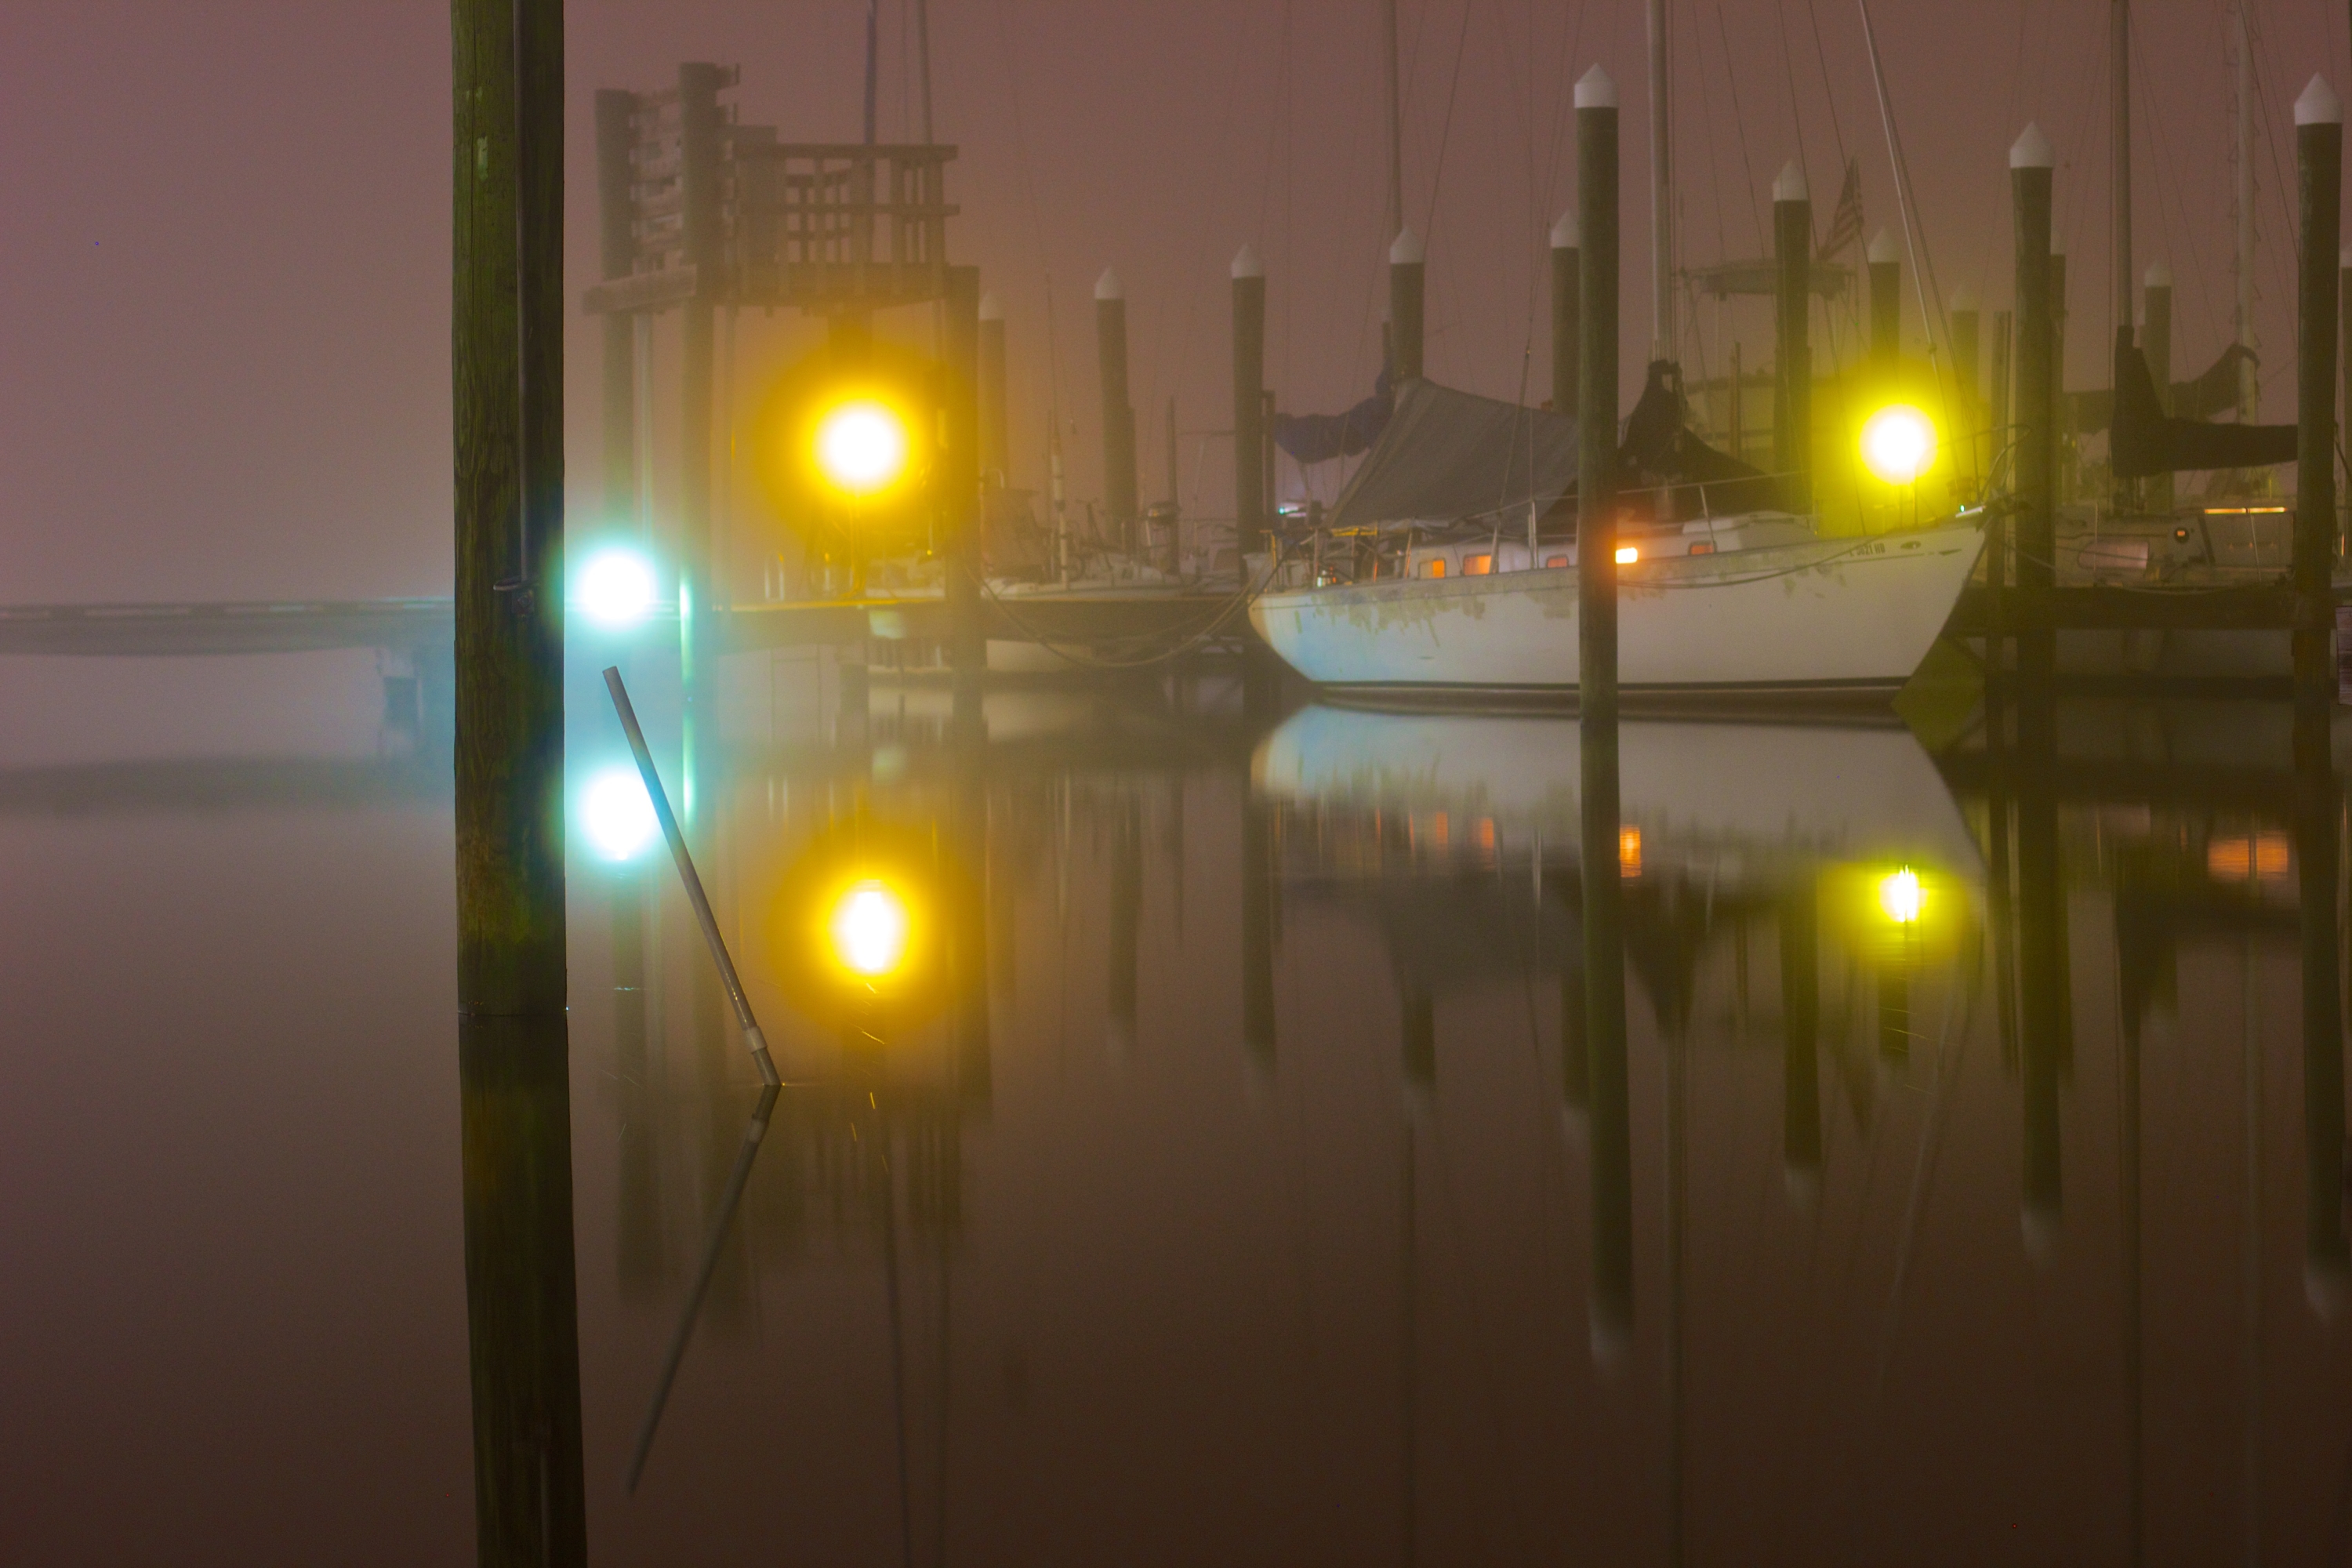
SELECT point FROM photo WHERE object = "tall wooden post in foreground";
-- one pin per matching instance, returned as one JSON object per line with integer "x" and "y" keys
{"x": 1793, "y": 402}
{"x": 2319, "y": 162}
{"x": 1612, "y": 1294}
{"x": 507, "y": 309}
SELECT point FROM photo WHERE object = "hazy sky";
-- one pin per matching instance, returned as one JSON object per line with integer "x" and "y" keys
{"x": 226, "y": 319}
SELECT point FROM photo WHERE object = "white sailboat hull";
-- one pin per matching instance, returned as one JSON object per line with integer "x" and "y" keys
{"x": 1824, "y": 614}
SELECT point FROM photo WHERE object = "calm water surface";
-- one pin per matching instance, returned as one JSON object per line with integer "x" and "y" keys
{"x": 1234, "y": 1185}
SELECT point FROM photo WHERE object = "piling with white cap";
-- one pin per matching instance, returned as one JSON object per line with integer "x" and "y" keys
{"x": 1119, "y": 486}
{"x": 1249, "y": 400}
{"x": 1611, "y": 1302}
{"x": 1793, "y": 402}
{"x": 2156, "y": 347}
{"x": 2319, "y": 169}
{"x": 1407, "y": 283}
{"x": 1567, "y": 257}
{"x": 994, "y": 423}
{"x": 1884, "y": 260}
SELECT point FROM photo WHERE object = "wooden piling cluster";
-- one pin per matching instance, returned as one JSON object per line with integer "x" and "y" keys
{"x": 1792, "y": 393}
{"x": 2319, "y": 164}
{"x": 1120, "y": 504}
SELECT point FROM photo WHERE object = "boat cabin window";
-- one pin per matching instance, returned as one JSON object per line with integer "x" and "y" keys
{"x": 1478, "y": 565}
{"x": 1434, "y": 567}
{"x": 1555, "y": 561}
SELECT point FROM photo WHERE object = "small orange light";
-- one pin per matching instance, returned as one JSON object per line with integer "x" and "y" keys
{"x": 1702, "y": 548}
{"x": 1629, "y": 851}
{"x": 1627, "y": 555}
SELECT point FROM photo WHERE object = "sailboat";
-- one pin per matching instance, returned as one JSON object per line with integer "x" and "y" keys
{"x": 1437, "y": 576}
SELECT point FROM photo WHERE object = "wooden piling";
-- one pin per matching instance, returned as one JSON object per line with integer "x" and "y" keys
{"x": 617, "y": 249}
{"x": 994, "y": 423}
{"x": 2156, "y": 347}
{"x": 507, "y": 355}
{"x": 964, "y": 513}
{"x": 1968, "y": 402}
{"x": 2327, "y": 1261}
{"x": 2319, "y": 164}
{"x": 1566, "y": 302}
{"x": 2060, "y": 414}
{"x": 1999, "y": 463}
{"x": 698, "y": 126}
{"x": 1120, "y": 490}
{"x": 2344, "y": 390}
{"x": 1408, "y": 278}
{"x": 1792, "y": 395}
{"x": 1611, "y": 1303}
{"x": 1886, "y": 264}
{"x": 1249, "y": 402}
{"x": 2031, "y": 161}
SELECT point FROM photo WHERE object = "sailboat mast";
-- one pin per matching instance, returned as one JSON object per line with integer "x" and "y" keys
{"x": 2119, "y": 172}
{"x": 2248, "y": 392}
{"x": 1662, "y": 220}
{"x": 1396, "y": 119}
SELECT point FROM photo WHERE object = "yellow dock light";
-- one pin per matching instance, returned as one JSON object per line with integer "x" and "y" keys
{"x": 1900, "y": 897}
{"x": 869, "y": 928}
{"x": 1627, "y": 555}
{"x": 1898, "y": 444}
{"x": 862, "y": 446}
{"x": 614, "y": 588}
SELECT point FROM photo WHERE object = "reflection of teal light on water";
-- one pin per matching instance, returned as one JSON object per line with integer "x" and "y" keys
{"x": 615, "y": 588}
{"x": 617, "y": 814}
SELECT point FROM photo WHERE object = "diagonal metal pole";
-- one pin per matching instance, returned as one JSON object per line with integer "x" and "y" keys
{"x": 753, "y": 1037}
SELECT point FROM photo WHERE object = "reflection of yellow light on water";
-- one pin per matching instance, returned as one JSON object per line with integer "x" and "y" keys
{"x": 1629, "y": 851}
{"x": 1900, "y": 897}
{"x": 1898, "y": 444}
{"x": 861, "y": 447}
{"x": 869, "y": 928}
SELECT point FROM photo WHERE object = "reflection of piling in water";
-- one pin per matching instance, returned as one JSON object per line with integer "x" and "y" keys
{"x": 638, "y": 1154}
{"x": 2326, "y": 1261}
{"x": 1418, "y": 1026}
{"x": 1126, "y": 918}
{"x": 2045, "y": 1003}
{"x": 968, "y": 935}
{"x": 1801, "y": 1026}
{"x": 1575, "y": 1055}
{"x": 1257, "y": 928}
{"x": 1604, "y": 940}
{"x": 522, "y": 1321}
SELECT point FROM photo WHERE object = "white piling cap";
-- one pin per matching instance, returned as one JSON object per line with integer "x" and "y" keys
{"x": 1964, "y": 297}
{"x": 1108, "y": 287}
{"x": 1594, "y": 90}
{"x": 2319, "y": 105}
{"x": 2032, "y": 150}
{"x": 1567, "y": 233}
{"x": 2160, "y": 275}
{"x": 1406, "y": 249}
{"x": 1246, "y": 264}
{"x": 992, "y": 309}
{"x": 1789, "y": 185}
{"x": 1883, "y": 249}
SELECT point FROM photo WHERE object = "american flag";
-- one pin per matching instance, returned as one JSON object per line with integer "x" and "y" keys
{"x": 1845, "y": 224}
